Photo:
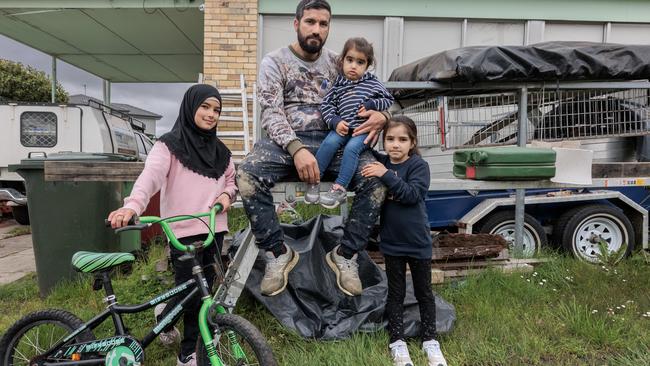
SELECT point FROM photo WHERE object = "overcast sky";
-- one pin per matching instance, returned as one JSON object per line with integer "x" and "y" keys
{"x": 160, "y": 98}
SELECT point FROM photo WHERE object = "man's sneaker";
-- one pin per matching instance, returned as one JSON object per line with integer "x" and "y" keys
{"x": 277, "y": 270}
{"x": 187, "y": 360}
{"x": 347, "y": 272}
{"x": 432, "y": 349}
{"x": 312, "y": 195}
{"x": 169, "y": 337}
{"x": 333, "y": 198}
{"x": 400, "y": 354}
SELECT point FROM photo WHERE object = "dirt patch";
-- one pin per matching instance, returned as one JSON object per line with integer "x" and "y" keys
{"x": 455, "y": 240}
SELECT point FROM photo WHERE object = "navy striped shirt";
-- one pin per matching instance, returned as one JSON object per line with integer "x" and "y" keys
{"x": 343, "y": 100}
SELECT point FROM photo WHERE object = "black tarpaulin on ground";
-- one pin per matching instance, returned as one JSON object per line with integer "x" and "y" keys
{"x": 548, "y": 61}
{"x": 313, "y": 306}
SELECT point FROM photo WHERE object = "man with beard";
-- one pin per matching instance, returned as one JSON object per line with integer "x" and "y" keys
{"x": 292, "y": 83}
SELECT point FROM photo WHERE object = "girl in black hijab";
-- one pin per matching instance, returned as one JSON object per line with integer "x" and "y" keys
{"x": 193, "y": 170}
{"x": 199, "y": 150}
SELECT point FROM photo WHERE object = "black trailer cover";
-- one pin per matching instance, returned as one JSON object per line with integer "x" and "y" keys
{"x": 548, "y": 61}
{"x": 315, "y": 308}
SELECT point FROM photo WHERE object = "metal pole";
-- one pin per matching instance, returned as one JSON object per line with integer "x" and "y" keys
{"x": 53, "y": 79}
{"x": 520, "y": 193}
{"x": 107, "y": 93}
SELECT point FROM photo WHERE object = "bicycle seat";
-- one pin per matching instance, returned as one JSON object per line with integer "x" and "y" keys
{"x": 89, "y": 262}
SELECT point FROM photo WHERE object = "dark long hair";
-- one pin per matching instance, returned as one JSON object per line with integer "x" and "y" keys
{"x": 360, "y": 44}
{"x": 411, "y": 130}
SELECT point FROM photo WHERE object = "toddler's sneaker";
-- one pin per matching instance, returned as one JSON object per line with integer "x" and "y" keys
{"x": 400, "y": 354}
{"x": 434, "y": 354}
{"x": 334, "y": 197}
{"x": 312, "y": 195}
{"x": 186, "y": 360}
{"x": 169, "y": 337}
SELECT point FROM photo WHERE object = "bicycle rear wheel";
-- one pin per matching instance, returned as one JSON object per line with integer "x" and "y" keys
{"x": 237, "y": 342}
{"x": 37, "y": 332}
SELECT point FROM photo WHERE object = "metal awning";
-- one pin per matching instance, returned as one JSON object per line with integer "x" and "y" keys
{"x": 117, "y": 40}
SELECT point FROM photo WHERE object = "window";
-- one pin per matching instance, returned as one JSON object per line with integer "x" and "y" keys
{"x": 38, "y": 129}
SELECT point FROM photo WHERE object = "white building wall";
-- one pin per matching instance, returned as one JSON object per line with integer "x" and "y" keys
{"x": 424, "y": 37}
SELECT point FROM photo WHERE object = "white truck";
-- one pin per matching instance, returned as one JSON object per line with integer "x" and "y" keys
{"x": 29, "y": 129}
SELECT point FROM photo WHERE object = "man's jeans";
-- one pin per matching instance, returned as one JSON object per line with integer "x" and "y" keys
{"x": 354, "y": 146}
{"x": 268, "y": 163}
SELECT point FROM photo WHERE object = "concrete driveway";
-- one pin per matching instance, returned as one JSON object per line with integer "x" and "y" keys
{"x": 16, "y": 253}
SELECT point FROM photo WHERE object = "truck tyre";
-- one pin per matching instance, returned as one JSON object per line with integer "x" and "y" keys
{"x": 503, "y": 223}
{"x": 21, "y": 214}
{"x": 589, "y": 225}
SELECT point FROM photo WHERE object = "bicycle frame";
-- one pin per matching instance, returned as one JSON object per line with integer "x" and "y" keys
{"x": 198, "y": 284}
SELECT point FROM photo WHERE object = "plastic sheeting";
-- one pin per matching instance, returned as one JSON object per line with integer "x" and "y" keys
{"x": 312, "y": 304}
{"x": 549, "y": 61}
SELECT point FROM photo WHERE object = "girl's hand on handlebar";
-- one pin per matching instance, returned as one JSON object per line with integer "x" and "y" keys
{"x": 224, "y": 200}
{"x": 120, "y": 217}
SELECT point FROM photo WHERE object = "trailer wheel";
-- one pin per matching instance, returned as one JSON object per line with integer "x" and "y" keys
{"x": 21, "y": 214}
{"x": 590, "y": 224}
{"x": 503, "y": 223}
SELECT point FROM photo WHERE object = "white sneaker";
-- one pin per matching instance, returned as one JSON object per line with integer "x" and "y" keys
{"x": 170, "y": 337}
{"x": 434, "y": 354}
{"x": 400, "y": 353}
{"x": 347, "y": 272}
{"x": 189, "y": 360}
{"x": 276, "y": 272}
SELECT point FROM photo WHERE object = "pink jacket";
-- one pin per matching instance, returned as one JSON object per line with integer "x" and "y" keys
{"x": 182, "y": 191}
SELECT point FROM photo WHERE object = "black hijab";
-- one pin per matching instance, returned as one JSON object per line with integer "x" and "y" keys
{"x": 198, "y": 150}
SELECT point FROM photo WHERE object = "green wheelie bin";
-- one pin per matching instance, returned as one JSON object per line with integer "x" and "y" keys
{"x": 68, "y": 216}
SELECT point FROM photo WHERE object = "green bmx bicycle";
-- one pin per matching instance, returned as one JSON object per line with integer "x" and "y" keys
{"x": 58, "y": 337}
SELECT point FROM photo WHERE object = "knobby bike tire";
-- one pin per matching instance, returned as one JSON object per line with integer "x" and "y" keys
{"x": 12, "y": 349}
{"x": 246, "y": 333}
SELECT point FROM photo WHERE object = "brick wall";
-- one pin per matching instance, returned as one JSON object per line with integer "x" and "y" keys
{"x": 230, "y": 42}
{"x": 230, "y": 50}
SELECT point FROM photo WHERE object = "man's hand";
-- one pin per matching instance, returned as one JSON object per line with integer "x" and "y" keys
{"x": 375, "y": 169}
{"x": 342, "y": 128}
{"x": 307, "y": 166}
{"x": 372, "y": 126}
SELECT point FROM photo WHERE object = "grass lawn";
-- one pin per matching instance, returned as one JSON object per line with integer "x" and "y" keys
{"x": 565, "y": 313}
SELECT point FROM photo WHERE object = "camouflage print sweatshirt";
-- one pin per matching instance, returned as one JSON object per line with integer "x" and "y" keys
{"x": 290, "y": 91}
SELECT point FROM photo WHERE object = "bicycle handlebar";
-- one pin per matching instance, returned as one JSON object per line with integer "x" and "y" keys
{"x": 132, "y": 221}
{"x": 146, "y": 221}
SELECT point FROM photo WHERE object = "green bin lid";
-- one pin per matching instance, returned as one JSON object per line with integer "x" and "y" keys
{"x": 37, "y": 161}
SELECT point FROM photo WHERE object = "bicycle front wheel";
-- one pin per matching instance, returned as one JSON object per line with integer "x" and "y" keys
{"x": 237, "y": 342}
{"x": 36, "y": 333}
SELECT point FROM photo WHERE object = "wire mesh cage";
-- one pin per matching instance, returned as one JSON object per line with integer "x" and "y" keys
{"x": 491, "y": 119}
{"x": 426, "y": 115}
{"x": 583, "y": 114}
